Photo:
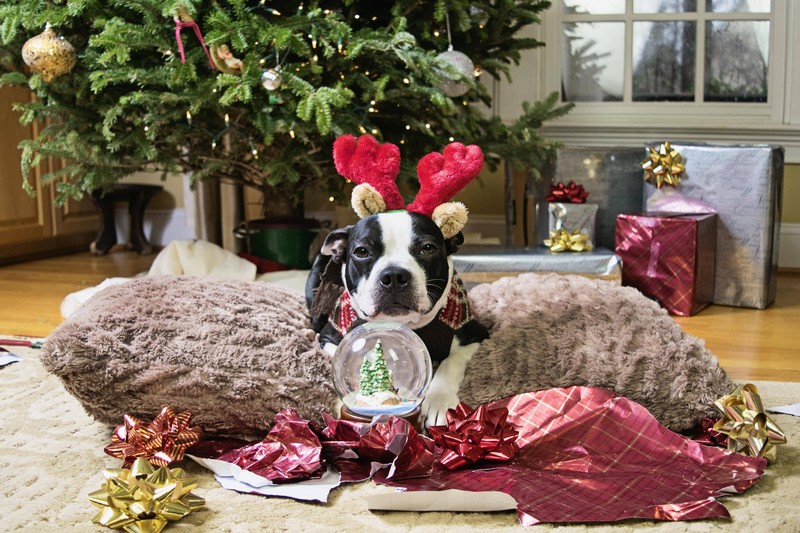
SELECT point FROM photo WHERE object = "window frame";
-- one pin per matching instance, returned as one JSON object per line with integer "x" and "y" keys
{"x": 631, "y": 123}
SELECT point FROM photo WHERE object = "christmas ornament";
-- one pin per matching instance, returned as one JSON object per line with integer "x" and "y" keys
{"x": 453, "y": 60}
{"x": 49, "y": 55}
{"x": 225, "y": 61}
{"x": 271, "y": 79}
{"x": 184, "y": 20}
{"x": 381, "y": 368}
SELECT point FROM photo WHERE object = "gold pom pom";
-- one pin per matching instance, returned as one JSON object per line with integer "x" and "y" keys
{"x": 366, "y": 200}
{"x": 450, "y": 217}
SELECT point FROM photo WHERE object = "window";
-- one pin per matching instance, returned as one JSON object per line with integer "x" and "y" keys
{"x": 644, "y": 70}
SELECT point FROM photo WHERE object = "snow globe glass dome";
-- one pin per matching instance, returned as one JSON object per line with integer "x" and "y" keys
{"x": 381, "y": 368}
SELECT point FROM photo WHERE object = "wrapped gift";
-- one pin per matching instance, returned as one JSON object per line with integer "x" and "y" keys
{"x": 743, "y": 185}
{"x": 613, "y": 178}
{"x": 573, "y": 217}
{"x": 670, "y": 258}
{"x": 486, "y": 263}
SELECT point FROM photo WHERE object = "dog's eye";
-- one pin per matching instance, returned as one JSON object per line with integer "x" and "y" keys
{"x": 360, "y": 252}
{"x": 428, "y": 249}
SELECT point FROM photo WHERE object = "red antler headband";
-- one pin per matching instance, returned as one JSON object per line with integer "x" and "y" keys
{"x": 374, "y": 168}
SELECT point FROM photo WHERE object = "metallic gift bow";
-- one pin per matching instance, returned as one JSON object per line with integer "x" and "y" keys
{"x": 664, "y": 166}
{"x": 474, "y": 435}
{"x": 572, "y": 193}
{"x": 573, "y": 241}
{"x": 750, "y": 431}
{"x": 162, "y": 441}
{"x": 143, "y": 499}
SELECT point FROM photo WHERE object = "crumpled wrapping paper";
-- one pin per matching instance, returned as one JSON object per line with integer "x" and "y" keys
{"x": 587, "y": 455}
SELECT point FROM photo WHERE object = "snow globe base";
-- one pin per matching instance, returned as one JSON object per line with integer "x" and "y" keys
{"x": 413, "y": 417}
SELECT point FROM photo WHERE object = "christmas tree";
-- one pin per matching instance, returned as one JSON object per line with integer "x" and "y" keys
{"x": 375, "y": 376}
{"x": 254, "y": 92}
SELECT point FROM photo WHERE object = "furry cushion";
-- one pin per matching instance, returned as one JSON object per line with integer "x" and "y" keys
{"x": 557, "y": 331}
{"x": 235, "y": 352}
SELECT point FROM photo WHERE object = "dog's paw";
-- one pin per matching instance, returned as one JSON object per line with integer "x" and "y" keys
{"x": 439, "y": 399}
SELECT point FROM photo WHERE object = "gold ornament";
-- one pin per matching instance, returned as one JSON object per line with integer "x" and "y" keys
{"x": 664, "y": 166}
{"x": 49, "y": 55}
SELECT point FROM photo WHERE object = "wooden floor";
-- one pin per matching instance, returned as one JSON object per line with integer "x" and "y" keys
{"x": 750, "y": 344}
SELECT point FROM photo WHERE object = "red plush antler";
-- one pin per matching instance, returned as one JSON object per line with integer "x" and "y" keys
{"x": 366, "y": 161}
{"x": 442, "y": 176}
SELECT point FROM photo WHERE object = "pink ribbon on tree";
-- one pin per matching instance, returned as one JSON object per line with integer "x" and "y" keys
{"x": 181, "y": 24}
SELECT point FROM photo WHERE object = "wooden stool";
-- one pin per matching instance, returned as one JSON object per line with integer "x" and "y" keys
{"x": 137, "y": 197}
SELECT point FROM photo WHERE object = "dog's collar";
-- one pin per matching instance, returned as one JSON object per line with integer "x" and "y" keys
{"x": 437, "y": 335}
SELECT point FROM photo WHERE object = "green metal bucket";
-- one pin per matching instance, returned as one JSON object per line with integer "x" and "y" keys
{"x": 286, "y": 242}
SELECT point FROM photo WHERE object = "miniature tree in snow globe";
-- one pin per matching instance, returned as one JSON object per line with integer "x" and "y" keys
{"x": 381, "y": 368}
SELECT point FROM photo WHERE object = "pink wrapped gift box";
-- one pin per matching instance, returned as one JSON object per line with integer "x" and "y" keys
{"x": 670, "y": 258}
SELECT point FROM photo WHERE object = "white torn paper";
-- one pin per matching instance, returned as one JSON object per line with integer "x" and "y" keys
{"x": 793, "y": 409}
{"x": 6, "y": 358}
{"x": 233, "y": 477}
{"x": 442, "y": 500}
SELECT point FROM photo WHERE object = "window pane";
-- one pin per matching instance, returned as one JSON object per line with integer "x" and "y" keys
{"x": 737, "y": 55}
{"x": 592, "y": 69}
{"x": 593, "y": 7}
{"x": 664, "y": 6}
{"x": 738, "y": 6}
{"x": 663, "y": 61}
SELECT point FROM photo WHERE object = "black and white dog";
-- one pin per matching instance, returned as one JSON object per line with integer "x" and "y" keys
{"x": 396, "y": 267}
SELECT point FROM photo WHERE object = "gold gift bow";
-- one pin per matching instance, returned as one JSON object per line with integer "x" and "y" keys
{"x": 664, "y": 165}
{"x": 563, "y": 240}
{"x": 143, "y": 499}
{"x": 750, "y": 431}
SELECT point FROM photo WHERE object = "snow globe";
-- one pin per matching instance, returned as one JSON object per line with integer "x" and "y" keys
{"x": 381, "y": 368}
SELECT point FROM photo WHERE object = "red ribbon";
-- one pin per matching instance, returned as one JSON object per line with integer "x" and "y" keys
{"x": 475, "y": 435}
{"x": 179, "y": 25}
{"x": 162, "y": 441}
{"x": 571, "y": 193}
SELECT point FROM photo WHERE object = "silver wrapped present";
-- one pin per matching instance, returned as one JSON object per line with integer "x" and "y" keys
{"x": 573, "y": 217}
{"x": 743, "y": 184}
{"x": 486, "y": 263}
{"x": 613, "y": 178}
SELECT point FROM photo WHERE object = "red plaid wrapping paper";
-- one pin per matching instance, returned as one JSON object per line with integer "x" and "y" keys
{"x": 669, "y": 258}
{"x": 588, "y": 455}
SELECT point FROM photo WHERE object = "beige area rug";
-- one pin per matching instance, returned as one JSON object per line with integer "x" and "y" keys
{"x": 51, "y": 458}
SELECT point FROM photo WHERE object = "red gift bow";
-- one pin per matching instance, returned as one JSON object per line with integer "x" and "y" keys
{"x": 162, "y": 441}
{"x": 570, "y": 193}
{"x": 474, "y": 435}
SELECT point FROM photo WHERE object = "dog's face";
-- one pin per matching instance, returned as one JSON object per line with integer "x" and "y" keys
{"x": 396, "y": 266}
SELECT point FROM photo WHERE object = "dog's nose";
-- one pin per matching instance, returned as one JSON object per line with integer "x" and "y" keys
{"x": 395, "y": 278}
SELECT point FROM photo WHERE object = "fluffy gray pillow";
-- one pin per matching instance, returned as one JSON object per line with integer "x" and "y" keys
{"x": 557, "y": 331}
{"x": 234, "y": 353}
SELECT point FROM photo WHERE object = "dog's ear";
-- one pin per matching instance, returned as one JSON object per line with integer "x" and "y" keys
{"x": 451, "y": 245}
{"x": 335, "y": 244}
